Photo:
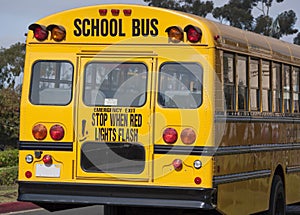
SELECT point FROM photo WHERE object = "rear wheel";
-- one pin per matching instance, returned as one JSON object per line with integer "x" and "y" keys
{"x": 277, "y": 198}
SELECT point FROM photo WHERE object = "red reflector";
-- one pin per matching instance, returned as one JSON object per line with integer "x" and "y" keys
{"x": 170, "y": 135}
{"x": 47, "y": 159}
{"x": 177, "y": 164}
{"x": 115, "y": 12}
{"x": 197, "y": 180}
{"x": 28, "y": 174}
{"x": 102, "y": 12}
{"x": 127, "y": 12}
{"x": 57, "y": 132}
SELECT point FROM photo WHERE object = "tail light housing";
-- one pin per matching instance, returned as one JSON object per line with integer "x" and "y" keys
{"x": 188, "y": 136}
{"x": 58, "y": 33}
{"x": 175, "y": 34}
{"x": 170, "y": 135}
{"x": 39, "y": 132}
{"x": 194, "y": 34}
{"x": 40, "y": 32}
{"x": 57, "y": 132}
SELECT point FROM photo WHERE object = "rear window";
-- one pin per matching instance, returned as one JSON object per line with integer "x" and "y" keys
{"x": 51, "y": 83}
{"x": 115, "y": 84}
{"x": 180, "y": 85}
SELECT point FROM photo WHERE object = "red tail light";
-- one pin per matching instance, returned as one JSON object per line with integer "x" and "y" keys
{"x": 177, "y": 164}
{"x": 39, "y": 132}
{"x": 47, "y": 159}
{"x": 39, "y": 31}
{"x": 194, "y": 34}
{"x": 57, "y": 132}
{"x": 170, "y": 135}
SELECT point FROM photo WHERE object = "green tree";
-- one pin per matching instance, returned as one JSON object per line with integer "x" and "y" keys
{"x": 196, "y": 7}
{"x": 9, "y": 116}
{"x": 238, "y": 13}
{"x": 297, "y": 39}
{"x": 11, "y": 65}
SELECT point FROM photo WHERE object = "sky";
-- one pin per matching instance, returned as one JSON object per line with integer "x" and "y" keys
{"x": 17, "y": 15}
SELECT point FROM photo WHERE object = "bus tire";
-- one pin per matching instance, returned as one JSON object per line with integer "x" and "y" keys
{"x": 277, "y": 199}
{"x": 113, "y": 210}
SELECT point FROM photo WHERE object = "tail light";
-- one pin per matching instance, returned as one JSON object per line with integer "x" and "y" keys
{"x": 39, "y": 132}
{"x": 58, "y": 33}
{"x": 170, "y": 135}
{"x": 194, "y": 34}
{"x": 175, "y": 34}
{"x": 57, "y": 132}
{"x": 39, "y": 31}
{"x": 188, "y": 136}
{"x": 177, "y": 164}
{"x": 47, "y": 159}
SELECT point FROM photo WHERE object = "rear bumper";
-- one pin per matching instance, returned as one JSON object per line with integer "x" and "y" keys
{"x": 91, "y": 194}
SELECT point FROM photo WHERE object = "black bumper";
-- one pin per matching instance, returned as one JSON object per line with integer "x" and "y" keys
{"x": 121, "y": 195}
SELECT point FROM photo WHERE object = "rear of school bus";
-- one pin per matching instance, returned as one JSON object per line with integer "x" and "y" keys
{"x": 116, "y": 112}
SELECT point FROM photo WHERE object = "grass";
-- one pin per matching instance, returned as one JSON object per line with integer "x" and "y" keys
{"x": 8, "y": 193}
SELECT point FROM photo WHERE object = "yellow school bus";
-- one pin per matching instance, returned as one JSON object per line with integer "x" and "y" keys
{"x": 146, "y": 110}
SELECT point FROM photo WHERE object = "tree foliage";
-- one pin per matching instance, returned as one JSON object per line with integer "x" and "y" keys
{"x": 239, "y": 13}
{"x": 196, "y": 7}
{"x": 11, "y": 65}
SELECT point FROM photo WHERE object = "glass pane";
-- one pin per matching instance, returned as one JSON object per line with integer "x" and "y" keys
{"x": 180, "y": 85}
{"x": 228, "y": 68}
{"x": 242, "y": 82}
{"x": 51, "y": 83}
{"x": 287, "y": 89}
{"x": 254, "y": 85}
{"x": 115, "y": 84}
{"x": 276, "y": 85}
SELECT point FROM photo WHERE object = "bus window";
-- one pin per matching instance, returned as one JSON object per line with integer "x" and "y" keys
{"x": 180, "y": 85}
{"x": 287, "y": 89}
{"x": 296, "y": 90}
{"x": 276, "y": 86}
{"x": 51, "y": 83}
{"x": 266, "y": 87}
{"x": 254, "y": 85}
{"x": 115, "y": 84}
{"x": 228, "y": 74}
{"x": 242, "y": 82}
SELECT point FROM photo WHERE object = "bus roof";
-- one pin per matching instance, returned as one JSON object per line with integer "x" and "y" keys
{"x": 137, "y": 24}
